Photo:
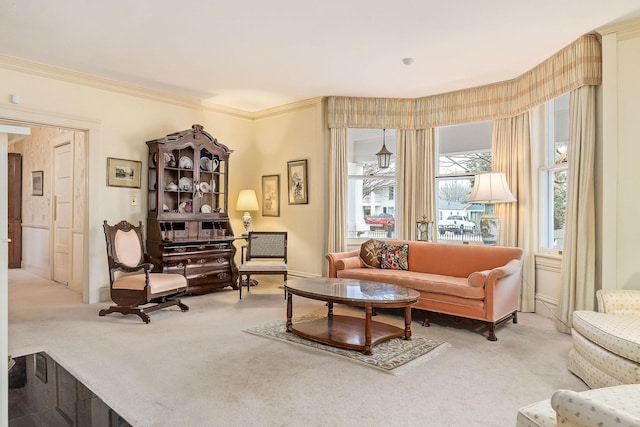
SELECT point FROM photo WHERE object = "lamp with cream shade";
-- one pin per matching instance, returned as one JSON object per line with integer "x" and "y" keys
{"x": 490, "y": 188}
{"x": 247, "y": 201}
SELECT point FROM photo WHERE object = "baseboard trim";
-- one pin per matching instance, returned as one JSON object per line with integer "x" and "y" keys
{"x": 301, "y": 275}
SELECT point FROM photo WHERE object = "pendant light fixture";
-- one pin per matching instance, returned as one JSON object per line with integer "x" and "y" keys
{"x": 384, "y": 155}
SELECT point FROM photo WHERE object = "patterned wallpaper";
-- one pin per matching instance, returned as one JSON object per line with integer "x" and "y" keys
{"x": 36, "y": 156}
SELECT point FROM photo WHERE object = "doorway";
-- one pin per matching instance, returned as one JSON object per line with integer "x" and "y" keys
{"x": 53, "y": 219}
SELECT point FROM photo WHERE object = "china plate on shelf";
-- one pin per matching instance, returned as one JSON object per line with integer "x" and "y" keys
{"x": 185, "y": 184}
{"x": 185, "y": 162}
{"x": 205, "y": 209}
{"x": 205, "y": 187}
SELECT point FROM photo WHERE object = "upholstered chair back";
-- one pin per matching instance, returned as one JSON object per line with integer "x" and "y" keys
{"x": 128, "y": 248}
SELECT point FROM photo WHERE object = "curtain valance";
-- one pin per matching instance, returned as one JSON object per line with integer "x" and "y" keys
{"x": 577, "y": 65}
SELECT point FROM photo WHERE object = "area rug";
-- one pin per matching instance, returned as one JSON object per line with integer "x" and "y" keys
{"x": 394, "y": 356}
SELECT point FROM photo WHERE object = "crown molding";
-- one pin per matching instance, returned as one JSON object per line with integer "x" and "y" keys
{"x": 624, "y": 30}
{"x": 287, "y": 108}
{"x": 75, "y": 77}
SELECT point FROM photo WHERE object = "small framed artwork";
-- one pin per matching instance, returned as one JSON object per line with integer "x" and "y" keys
{"x": 297, "y": 178}
{"x": 37, "y": 183}
{"x": 271, "y": 195}
{"x": 123, "y": 173}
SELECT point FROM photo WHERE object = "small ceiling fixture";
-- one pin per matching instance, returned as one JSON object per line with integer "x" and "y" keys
{"x": 407, "y": 61}
{"x": 384, "y": 155}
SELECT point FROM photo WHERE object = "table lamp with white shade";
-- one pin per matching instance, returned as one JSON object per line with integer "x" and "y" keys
{"x": 247, "y": 201}
{"x": 490, "y": 188}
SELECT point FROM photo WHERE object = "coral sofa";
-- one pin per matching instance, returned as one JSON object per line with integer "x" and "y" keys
{"x": 606, "y": 343}
{"x": 472, "y": 281}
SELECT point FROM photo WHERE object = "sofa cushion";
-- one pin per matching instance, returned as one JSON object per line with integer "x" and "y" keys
{"x": 618, "y": 333}
{"x": 395, "y": 256}
{"x": 371, "y": 252}
{"x": 423, "y": 282}
{"x": 609, "y": 406}
{"x": 446, "y": 285}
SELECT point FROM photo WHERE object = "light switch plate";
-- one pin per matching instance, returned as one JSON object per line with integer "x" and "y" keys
{"x": 134, "y": 201}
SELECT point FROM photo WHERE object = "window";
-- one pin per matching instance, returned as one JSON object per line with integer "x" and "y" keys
{"x": 371, "y": 202}
{"x": 463, "y": 151}
{"x": 553, "y": 175}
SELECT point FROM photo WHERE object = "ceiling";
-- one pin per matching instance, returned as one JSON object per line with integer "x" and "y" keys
{"x": 253, "y": 54}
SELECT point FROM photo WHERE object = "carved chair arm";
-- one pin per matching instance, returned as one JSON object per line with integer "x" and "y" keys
{"x": 127, "y": 269}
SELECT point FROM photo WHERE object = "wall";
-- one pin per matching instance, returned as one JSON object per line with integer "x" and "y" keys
{"x": 619, "y": 151}
{"x": 118, "y": 121}
{"x": 282, "y": 136}
{"x": 36, "y": 219}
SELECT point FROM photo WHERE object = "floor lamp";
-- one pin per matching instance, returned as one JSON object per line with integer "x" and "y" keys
{"x": 490, "y": 188}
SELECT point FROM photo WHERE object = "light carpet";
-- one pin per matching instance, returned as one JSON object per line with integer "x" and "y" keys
{"x": 198, "y": 368}
{"x": 393, "y": 356}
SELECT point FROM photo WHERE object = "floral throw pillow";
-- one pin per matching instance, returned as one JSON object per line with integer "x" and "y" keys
{"x": 370, "y": 253}
{"x": 395, "y": 257}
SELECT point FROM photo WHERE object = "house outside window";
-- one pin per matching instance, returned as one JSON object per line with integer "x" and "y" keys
{"x": 463, "y": 151}
{"x": 371, "y": 202}
{"x": 553, "y": 175}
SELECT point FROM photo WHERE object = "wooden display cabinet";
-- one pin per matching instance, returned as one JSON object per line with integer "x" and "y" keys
{"x": 188, "y": 220}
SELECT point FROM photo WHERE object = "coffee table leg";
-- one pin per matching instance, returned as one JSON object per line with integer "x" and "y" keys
{"x": 367, "y": 329}
{"x": 407, "y": 323}
{"x": 289, "y": 310}
{"x": 329, "y": 309}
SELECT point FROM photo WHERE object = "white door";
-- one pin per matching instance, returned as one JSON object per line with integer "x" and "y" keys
{"x": 62, "y": 210}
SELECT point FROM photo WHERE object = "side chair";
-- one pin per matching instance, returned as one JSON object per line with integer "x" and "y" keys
{"x": 266, "y": 253}
{"x": 132, "y": 289}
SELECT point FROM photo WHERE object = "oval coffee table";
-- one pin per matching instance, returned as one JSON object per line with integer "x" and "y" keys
{"x": 347, "y": 331}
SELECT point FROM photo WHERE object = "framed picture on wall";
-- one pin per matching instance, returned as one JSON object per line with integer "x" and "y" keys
{"x": 37, "y": 183}
{"x": 123, "y": 173}
{"x": 297, "y": 178}
{"x": 271, "y": 195}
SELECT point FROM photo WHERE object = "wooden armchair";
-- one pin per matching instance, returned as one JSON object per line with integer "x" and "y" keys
{"x": 266, "y": 253}
{"x": 126, "y": 254}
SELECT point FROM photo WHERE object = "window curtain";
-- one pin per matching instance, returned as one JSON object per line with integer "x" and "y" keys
{"x": 511, "y": 154}
{"x": 577, "y": 274}
{"x": 416, "y": 180}
{"x": 338, "y": 191}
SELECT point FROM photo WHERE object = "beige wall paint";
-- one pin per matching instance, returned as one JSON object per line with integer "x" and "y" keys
{"x": 619, "y": 149}
{"x": 294, "y": 135}
{"x": 119, "y": 124}
{"x": 628, "y": 159}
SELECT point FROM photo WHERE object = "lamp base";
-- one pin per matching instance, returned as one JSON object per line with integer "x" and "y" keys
{"x": 246, "y": 221}
{"x": 490, "y": 229}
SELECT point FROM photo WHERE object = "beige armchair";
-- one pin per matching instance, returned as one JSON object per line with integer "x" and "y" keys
{"x": 609, "y": 406}
{"x": 606, "y": 343}
{"x": 134, "y": 288}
